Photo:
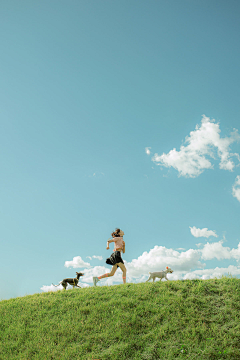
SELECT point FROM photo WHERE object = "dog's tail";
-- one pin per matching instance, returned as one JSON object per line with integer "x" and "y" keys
{"x": 55, "y": 285}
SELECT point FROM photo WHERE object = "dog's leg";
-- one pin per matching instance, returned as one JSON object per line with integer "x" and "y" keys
{"x": 153, "y": 278}
{"x": 64, "y": 284}
{"x": 149, "y": 278}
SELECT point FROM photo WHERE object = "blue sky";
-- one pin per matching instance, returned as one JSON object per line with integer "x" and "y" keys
{"x": 118, "y": 114}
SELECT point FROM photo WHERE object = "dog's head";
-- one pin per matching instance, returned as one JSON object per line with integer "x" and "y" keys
{"x": 169, "y": 270}
{"x": 79, "y": 273}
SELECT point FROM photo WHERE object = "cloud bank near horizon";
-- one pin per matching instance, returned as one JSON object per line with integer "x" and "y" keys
{"x": 156, "y": 259}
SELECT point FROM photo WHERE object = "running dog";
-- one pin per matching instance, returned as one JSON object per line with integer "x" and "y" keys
{"x": 73, "y": 282}
{"x": 160, "y": 274}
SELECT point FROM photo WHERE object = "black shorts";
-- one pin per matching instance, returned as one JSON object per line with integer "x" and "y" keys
{"x": 115, "y": 258}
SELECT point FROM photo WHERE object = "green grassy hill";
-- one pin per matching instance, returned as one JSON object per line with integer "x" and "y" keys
{"x": 191, "y": 319}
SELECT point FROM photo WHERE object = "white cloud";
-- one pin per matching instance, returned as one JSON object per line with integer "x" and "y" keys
{"x": 202, "y": 232}
{"x": 205, "y": 274}
{"x": 236, "y": 188}
{"x": 47, "y": 288}
{"x": 159, "y": 257}
{"x": 97, "y": 257}
{"x": 182, "y": 263}
{"x": 213, "y": 273}
{"x": 236, "y": 253}
{"x": 147, "y": 150}
{"x": 193, "y": 158}
{"x": 156, "y": 259}
{"x": 77, "y": 262}
{"x": 94, "y": 257}
{"x": 216, "y": 250}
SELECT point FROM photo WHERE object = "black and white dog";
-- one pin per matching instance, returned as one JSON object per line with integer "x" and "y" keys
{"x": 73, "y": 282}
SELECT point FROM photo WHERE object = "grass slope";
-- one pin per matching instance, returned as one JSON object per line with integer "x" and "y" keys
{"x": 191, "y": 319}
